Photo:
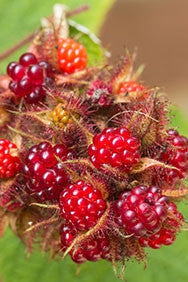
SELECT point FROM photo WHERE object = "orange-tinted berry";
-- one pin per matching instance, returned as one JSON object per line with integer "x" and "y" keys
{"x": 72, "y": 56}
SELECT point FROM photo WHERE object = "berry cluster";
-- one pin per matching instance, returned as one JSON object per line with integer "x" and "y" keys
{"x": 163, "y": 237}
{"x": 29, "y": 77}
{"x": 45, "y": 174}
{"x": 166, "y": 235}
{"x": 92, "y": 250}
{"x": 72, "y": 56}
{"x": 176, "y": 154}
{"x": 141, "y": 211}
{"x": 88, "y": 179}
{"x": 10, "y": 163}
{"x": 115, "y": 147}
{"x": 82, "y": 204}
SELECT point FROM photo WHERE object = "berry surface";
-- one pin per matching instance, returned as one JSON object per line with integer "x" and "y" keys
{"x": 176, "y": 154}
{"x": 28, "y": 78}
{"x": 72, "y": 56}
{"x": 141, "y": 211}
{"x": 59, "y": 116}
{"x": 10, "y": 163}
{"x": 82, "y": 204}
{"x": 163, "y": 237}
{"x": 131, "y": 86}
{"x": 166, "y": 235}
{"x": 92, "y": 250}
{"x": 46, "y": 176}
{"x": 115, "y": 147}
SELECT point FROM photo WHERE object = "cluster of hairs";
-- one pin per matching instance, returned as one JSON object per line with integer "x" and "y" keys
{"x": 112, "y": 152}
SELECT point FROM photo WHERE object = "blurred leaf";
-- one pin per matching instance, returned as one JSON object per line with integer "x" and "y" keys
{"x": 179, "y": 120}
{"x": 91, "y": 42}
{"x": 166, "y": 264}
{"x": 15, "y": 267}
{"x": 25, "y": 17}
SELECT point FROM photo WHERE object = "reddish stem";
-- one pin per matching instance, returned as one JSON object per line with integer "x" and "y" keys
{"x": 27, "y": 39}
{"x": 23, "y": 42}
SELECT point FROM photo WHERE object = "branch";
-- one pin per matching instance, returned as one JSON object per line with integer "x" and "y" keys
{"x": 29, "y": 38}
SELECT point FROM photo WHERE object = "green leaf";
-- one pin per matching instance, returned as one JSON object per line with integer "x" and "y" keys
{"x": 20, "y": 18}
{"x": 166, "y": 264}
{"x": 179, "y": 120}
{"x": 90, "y": 41}
{"x": 15, "y": 267}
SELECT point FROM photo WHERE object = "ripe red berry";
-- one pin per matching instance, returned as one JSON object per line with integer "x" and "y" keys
{"x": 10, "y": 67}
{"x": 163, "y": 237}
{"x": 100, "y": 93}
{"x": 28, "y": 59}
{"x": 82, "y": 204}
{"x": 35, "y": 73}
{"x": 10, "y": 163}
{"x": 29, "y": 77}
{"x": 166, "y": 235}
{"x": 46, "y": 176}
{"x": 130, "y": 86}
{"x": 115, "y": 147}
{"x": 92, "y": 250}
{"x": 141, "y": 211}
{"x": 176, "y": 154}
{"x": 17, "y": 72}
{"x": 72, "y": 56}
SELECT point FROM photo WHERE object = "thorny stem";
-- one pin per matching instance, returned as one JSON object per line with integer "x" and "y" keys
{"x": 30, "y": 37}
{"x": 137, "y": 112}
{"x": 17, "y": 46}
{"x": 80, "y": 161}
{"x": 45, "y": 206}
{"x": 39, "y": 224}
{"x": 89, "y": 135}
{"x": 26, "y": 135}
{"x": 146, "y": 163}
{"x": 175, "y": 193}
{"x": 78, "y": 10}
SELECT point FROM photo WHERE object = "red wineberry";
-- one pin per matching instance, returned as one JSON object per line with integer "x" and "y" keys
{"x": 82, "y": 204}
{"x": 115, "y": 147}
{"x": 72, "y": 56}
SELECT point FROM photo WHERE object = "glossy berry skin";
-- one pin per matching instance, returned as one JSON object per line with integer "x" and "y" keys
{"x": 114, "y": 147}
{"x": 10, "y": 163}
{"x": 100, "y": 92}
{"x": 28, "y": 78}
{"x": 130, "y": 86}
{"x": 72, "y": 56}
{"x": 141, "y": 211}
{"x": 166, "y": 235}
{"x": 82, "y": 205}
{"x": 176, "y": 154}
{"x": 45, "y": 176}
{"x": 163, "y": 237}
{"x": 91, "y": 250}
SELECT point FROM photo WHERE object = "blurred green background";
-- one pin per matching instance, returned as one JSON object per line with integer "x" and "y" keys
{"x": 17, "y": 19}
